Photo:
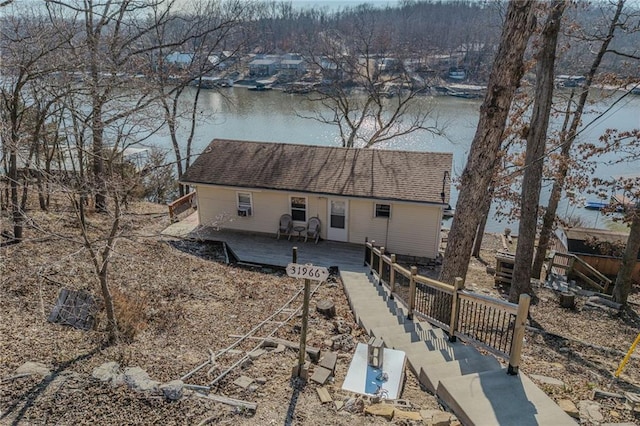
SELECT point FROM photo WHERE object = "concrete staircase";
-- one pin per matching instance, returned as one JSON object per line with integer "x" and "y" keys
{"x": 475, "y": 387}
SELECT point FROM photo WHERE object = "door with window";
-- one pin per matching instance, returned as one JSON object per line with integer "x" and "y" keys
{"x": 338, "y": 219}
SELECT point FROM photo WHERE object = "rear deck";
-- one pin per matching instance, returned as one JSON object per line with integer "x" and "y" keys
{"x": 266, "y": 250}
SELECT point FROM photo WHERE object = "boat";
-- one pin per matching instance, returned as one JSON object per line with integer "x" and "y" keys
{"x": 259, "y": 87}
{"x": 464, "y": 95}
{"x": 448, "y": 212}
{"x": 595, "y": 205}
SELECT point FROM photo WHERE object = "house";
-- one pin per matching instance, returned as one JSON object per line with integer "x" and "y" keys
{"x": 600, "y": 248}
{"x": 292, "y": 64}
{"x": 263, "y": 66}
{"x": 393, "y": 197}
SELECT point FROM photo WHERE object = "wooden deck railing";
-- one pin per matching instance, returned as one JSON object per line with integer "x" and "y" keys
{"x": 490, "y": 323}
{"x": 574, "y": 266}
{"x": 181, "y": 205}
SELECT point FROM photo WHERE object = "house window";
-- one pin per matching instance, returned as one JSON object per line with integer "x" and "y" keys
{"x": 299, "y": 209}
{"x": 383, "y": 210}
{"x": 245, "y": 205}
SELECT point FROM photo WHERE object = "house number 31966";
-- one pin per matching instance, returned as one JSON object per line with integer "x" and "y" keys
{"x": 316, "y": 273}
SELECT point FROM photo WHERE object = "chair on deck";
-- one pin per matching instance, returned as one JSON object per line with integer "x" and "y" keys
{"x": 285, "y": 227}
{"x": 313, "y": 229}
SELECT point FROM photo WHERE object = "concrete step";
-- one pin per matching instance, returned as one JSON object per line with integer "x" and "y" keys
{"x": 409, "y": 331}
{"x": 431, "y": 375}
{"x": 496, "y": 398}
{"x": 420, "y": 357}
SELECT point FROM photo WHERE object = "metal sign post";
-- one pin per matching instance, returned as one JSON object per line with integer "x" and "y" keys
{"x": 308, "y": 272}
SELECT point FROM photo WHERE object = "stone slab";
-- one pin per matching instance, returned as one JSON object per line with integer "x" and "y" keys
{"x": 324, "y": 395}
{"x": 321, "y": 375}
{"x": 329, "y": 361}
{"x": 406, "y": 415}
{"x": 243, "y": 381}
{"x": 385, "y": 411}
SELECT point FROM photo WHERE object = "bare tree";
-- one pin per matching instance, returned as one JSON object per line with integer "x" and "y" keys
{"x": 534, "y": 158}
{"x": 475, "y": 180}
{"x": 367, "y": 95}
{"x": 626, "y": 145}
{"x": 568, "y": 136}
{"x": 211, "y": 28}
{"x": 29, "y": 51}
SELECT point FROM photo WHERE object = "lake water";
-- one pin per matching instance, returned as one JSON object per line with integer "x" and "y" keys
{"x": 274, "y": 116}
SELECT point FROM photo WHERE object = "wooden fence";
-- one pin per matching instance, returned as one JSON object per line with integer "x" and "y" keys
{"x": 490, "y": 323}
{"x": 181, "y": 205}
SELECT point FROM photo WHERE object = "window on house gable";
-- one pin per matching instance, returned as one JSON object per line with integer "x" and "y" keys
{"x": 299, "y": 209}
{"x": 245, "y": 205}
{"x": 383, "y": 210}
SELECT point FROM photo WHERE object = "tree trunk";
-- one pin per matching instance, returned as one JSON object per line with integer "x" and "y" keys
{"x": 477, "y": 243}
{"x": 549, "y": 218}
{"x": 476, "y": 178}
{"x": 566, "y": 141}
{"x": 17, "y": 215}
{"x": 624, "y": 279}
{"x": 98, "y": 158}
{"x": 534, "y": 157}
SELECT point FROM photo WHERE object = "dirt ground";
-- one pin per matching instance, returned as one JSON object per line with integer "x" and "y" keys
{"x": 177, "y": 306}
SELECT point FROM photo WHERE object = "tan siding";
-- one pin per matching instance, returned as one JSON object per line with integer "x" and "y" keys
{"x": 413, "y": 230}
{"x": 218, "y": 207}
{"x": 363, "y": 225}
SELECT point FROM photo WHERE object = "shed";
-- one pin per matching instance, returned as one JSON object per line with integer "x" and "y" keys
{"x": 600, "y": 248}
{"x": 396, "y": 198}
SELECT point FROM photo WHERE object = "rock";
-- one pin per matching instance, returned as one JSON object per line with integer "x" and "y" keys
{"x": 138, "y": 379}
{"x": 406, "y": 415}
{"x": 34, "y": 369}
{"x": 280, "y": 348}
{"x": 354, "y": 405}
{"x": 383, "y": 410}
{"x": 547, "y": 380}
{"x": 427, "y": 415}
{"x": 109, "y": 371}
{"x": 243, "y": 381}
{"x": 172, "y": 390}
{"x": 257, "y": 353}
{"x": 261, "y": 380}
{"x": 343, "y": 342}
{"x": 569, "y": 407}
{"x": 340, "y": 326}
{"x": 590, "y": 412}
{"x": 441, "y": 419}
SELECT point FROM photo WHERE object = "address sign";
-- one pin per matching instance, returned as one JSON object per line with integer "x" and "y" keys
{"x": 316, "y": 273}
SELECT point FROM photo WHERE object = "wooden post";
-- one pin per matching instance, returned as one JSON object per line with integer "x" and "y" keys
{"x": 303, "y": 330}
{"x": 412, "y": 292}
{"x": 453, "y": 323}
{"x": 294, "y": 254}
{"x": 518, "y": 334}
{"x": 366, "y": 240}
{"x": 392, "y": 276}
{"x": 380, "y": 265}
{"x": 373, "y": 245}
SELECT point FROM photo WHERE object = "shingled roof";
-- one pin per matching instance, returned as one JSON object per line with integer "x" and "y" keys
{"x": 364, "y": 173}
